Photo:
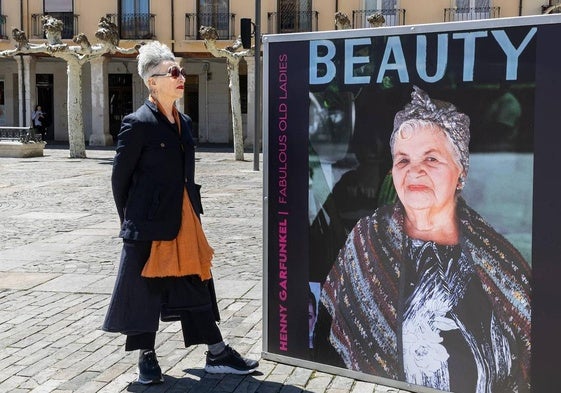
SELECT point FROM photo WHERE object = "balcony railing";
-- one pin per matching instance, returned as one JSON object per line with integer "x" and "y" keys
{"x": 292, "y": 21}
{"x": 393, "y": 17}
{"x": 223, "y": 22}
{"x": 3, "y": 19}
{"x": 459, "y": 14}
{"x": 68, "y": 19}
{"x": 134, "y": 26}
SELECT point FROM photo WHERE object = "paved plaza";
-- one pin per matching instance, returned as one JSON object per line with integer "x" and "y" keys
{"x": 59, "y": 254}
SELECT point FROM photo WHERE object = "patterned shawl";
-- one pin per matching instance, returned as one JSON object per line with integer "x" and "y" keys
{"x": 361, "y": 292}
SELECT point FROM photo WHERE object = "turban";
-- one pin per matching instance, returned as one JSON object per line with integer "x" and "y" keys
{"x": 445, "y": 115}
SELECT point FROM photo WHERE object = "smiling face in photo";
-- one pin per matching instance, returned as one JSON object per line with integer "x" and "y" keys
{"x": 425, "y": 171}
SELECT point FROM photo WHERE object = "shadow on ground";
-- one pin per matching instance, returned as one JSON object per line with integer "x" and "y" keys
{"x": 198, "y": 381}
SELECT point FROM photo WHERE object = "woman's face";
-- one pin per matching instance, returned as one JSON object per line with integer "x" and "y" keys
{"x": 311, "y": 316}
{"x": 165, "y": 85}
{"x": 425, "y": 173}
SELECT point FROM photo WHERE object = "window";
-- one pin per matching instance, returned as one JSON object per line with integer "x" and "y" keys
{"x": 135, "y": 6}
{"x": 294, "y": 15}
{"x": 213, "y": 6}
{"x": 135, "y": 19}
{"x": 380, "y": 4}
{"x": 59, "y": 6}
{"x": 473, "y": 9}
{"x": 472, "y": 3}
{"x": 388, "y": 8}
{"x": 215, "y": 13}
{"x": 2, "y": 24}
{"x": 62, "y": 10}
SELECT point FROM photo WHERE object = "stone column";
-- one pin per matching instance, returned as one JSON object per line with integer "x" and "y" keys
{"x": 100, "y": 135}
{"x": 250, "y": 101}
{"x": 26, "y": 79}
{"x": 76, "y": 138}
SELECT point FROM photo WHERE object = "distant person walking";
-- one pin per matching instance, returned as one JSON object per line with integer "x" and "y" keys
{"x": 165, "y": 262}
{"x": 39, "y": 121}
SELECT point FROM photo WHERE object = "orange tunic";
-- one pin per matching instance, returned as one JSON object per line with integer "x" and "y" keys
{"x": 189, "y": 253}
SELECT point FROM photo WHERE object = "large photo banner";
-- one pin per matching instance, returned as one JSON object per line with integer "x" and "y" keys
{"x": 410, "y": 233}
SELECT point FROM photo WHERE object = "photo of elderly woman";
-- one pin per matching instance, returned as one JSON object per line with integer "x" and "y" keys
{"x": 425, "y": 290}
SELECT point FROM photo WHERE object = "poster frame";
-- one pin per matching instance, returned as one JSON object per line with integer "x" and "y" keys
{"x": 268, "y": 41}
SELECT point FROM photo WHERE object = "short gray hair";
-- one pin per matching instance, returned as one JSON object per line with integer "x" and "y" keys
{"x": 150, "y": 56}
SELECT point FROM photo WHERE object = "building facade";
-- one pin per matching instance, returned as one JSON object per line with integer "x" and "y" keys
{"x": 112, "y": 88}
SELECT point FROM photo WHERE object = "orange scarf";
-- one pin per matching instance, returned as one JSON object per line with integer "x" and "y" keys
{"x": 189, "y": 253}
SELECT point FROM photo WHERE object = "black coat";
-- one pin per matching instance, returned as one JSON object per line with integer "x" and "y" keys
{"x": 152, "y": 165}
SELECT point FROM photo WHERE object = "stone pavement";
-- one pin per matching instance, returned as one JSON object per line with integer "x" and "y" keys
{"x": 59, "y": 254}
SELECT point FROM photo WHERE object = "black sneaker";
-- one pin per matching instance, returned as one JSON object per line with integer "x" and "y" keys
{"x": 149, "y": 371}
{"x": 229, "y": 362}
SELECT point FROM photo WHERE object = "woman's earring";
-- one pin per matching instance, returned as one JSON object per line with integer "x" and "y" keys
{"x": 461, "y": 183}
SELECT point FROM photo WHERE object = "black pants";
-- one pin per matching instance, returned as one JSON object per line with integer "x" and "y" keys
{"x": 40, "y": 130}
{"x": 190, "y": 325}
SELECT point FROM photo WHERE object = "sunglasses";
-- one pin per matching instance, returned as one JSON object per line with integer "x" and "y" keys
{"x": 174, "y": 72}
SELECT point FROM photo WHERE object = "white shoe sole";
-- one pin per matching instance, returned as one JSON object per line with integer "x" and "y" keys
{"x": 149, "y": 381}
{"x": 227, "y": 370}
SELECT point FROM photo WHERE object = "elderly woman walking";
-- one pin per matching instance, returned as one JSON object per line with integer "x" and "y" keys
{"x": 424, "y": 290}
{"x": 165, "y": 268}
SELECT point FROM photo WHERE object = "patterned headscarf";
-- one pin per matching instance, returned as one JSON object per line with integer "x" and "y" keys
{"x": 441, "y": 113}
